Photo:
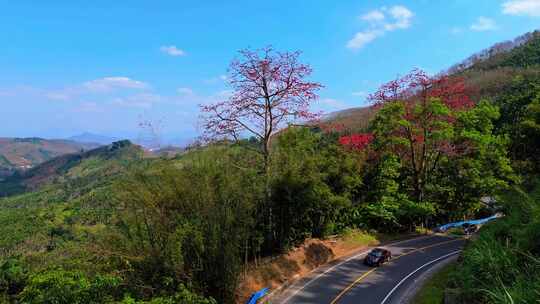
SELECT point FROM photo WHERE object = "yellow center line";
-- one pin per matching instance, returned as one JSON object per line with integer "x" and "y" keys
{"x": 365, "y": 274}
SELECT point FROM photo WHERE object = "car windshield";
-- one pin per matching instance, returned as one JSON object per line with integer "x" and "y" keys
{"x": 376, "y": 253}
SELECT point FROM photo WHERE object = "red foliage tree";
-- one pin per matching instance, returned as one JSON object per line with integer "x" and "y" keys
{"x": 419, "y": 129}
{"x": 356, "y": 142}
{"x": 270, "y": 90}
{"x": 417, "y": 86}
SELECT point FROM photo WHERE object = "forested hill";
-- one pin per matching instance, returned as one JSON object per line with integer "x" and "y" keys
{"x": 25, "y": 153}
{"x": 521, "y": 52}
{"x": 491, "y": 72}
{"x": 72, "y": 166}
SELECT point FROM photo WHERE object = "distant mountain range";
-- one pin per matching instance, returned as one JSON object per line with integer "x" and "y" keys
{"x": 165, "y": 142}
{"x": 87, "y": 137}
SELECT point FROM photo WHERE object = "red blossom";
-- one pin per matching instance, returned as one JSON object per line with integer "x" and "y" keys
{"x": 270, "y": 90}
{"x": 356, "y": 142}
{"x": 423, "y": 141}
{"x": 417, "y": 86}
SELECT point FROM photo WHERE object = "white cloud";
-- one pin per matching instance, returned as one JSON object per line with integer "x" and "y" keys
{"x": 110, "y": 83}
{"x": 522, "y": 8}
{"x": 402, "y": 17}
{"x": 483, "y": 24}
{"x": 381, "y": 21}
{"x": 172, "y": 50}
{"x": 373, "y": 16}
{"x": 360, "y": 39}
{"x": 184, "y": 91}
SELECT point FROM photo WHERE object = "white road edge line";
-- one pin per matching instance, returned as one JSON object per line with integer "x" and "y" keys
{"x": 412, "y": 273}
{"x": 347, "y": 260}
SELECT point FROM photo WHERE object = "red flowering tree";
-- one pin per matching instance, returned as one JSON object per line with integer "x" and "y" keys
{"x": 357, "y": 142}
{"x": 418, "y": 87}
{"x": 270, "y": 90}
{"x": 416, "y": 121}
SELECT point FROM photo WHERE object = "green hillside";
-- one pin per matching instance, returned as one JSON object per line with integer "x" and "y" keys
{"x": 71, "y": 186}
{"x": 24, "y": 153}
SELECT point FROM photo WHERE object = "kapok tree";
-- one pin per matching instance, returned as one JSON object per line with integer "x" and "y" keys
{"x": 416, "y": 122}
{"x": 270, "y": 90}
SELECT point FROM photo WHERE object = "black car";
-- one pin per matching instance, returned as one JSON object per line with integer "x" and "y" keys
{"x": 377, "y": 257}
{"x": 469, "y": 228}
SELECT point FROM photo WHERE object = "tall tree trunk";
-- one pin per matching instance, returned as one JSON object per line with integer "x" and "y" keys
{"x": 268, "y": 210}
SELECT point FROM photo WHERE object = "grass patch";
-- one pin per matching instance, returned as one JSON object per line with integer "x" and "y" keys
{"x": 433, "y": 291}
{"x": 457, "y": 231}
{"x": 422, "y": 230}
{"x": 355, "y": 237}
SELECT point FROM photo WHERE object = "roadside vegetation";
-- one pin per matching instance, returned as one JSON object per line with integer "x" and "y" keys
{"x": 433, "y": 292}
{"x": 503, "y": 264}
{"x": 109, "y": 226}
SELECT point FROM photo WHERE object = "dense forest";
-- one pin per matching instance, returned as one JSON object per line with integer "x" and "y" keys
{"x": 113, "y": 226}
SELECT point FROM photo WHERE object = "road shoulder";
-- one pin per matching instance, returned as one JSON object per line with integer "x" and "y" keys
{"x": 416, "y": 287}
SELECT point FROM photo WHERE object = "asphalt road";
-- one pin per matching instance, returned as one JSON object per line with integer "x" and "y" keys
{"x": 352, "y": 282}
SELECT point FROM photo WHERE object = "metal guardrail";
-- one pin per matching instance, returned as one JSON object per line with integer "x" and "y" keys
{"x": 257, "y": 296}
{"x": 470, "y": 222}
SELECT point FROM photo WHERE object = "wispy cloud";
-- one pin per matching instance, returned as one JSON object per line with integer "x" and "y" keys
{"x": 380, "y": 21}
{"x": 522, "y": 8}
{"x": 184, "y": 91}
{"x": 373, "y": 16}
{"x": 172, "y": 50}
{"x": 107, "y": 84}
{"x": 360, "y": 39}
{"x": 101, "y": 86}
{"x": 483, "y": 24}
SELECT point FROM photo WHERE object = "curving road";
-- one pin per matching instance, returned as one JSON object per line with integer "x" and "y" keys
{"x": 350, "y": 281}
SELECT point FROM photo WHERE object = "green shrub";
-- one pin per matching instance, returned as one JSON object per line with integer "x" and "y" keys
{"x": 69, "y": 287}
{"x": 13, "y": 276}
{"x": 183, "y": 296}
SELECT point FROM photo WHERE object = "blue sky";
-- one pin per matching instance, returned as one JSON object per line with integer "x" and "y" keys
{"x": 101, "y": 66}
